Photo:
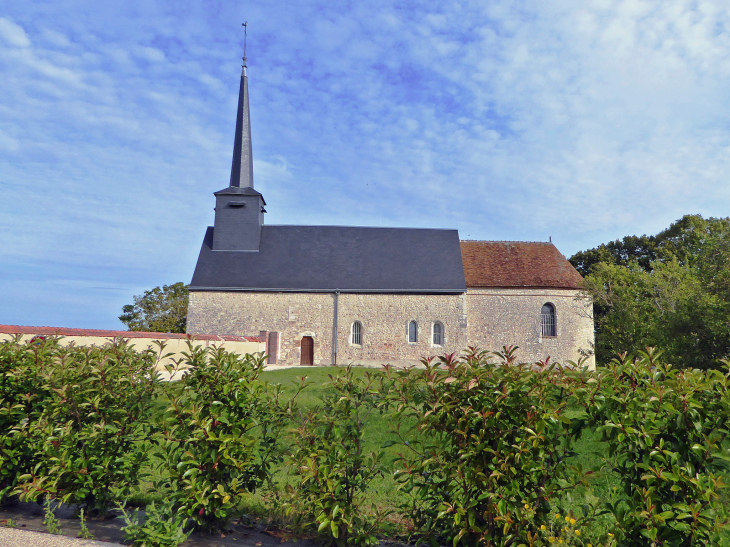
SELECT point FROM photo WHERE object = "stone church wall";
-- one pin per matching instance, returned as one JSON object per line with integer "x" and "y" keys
{"x": 384, "y": 319}
{"x": 292, "y": 315}
{"x": 488, "y": 318}
{"x": 501, "y": 317}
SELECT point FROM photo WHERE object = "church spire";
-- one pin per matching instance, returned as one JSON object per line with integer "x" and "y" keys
{"x": 242, "y": 166}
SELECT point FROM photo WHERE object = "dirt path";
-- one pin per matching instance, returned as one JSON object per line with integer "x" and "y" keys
{"x": 28, "y": 517}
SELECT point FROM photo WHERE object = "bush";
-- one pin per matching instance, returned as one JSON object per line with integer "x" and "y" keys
{"x": 488, "y": 454}
{"x": 333, "y": 470}
{"x": 665, "y": 430}
{"x": 218, "y": 435}
{"x": 23, "y": 394}
{"x": 96, "y": 412}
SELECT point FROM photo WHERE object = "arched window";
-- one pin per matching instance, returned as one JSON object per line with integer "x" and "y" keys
{"x": 547, "y": 320}
{"x": 413, "y": 331}
{"x": 356, "y": 337}
{"x": 438, "y": 334}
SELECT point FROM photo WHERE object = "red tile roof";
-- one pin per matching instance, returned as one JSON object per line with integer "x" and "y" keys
{"x": 517, "y": 264}
{"x": 61, "y": 331}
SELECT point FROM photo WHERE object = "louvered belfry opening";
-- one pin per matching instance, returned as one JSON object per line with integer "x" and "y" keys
{"x": 307, "y": 351}
{"x": 547, "y": 317}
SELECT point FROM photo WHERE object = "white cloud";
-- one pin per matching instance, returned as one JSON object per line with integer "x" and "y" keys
{"x": 13, "y": 34}
{"x": 56, "y": 38}
{"x": 8, "y": 143}
{"x": 150, "y": 54}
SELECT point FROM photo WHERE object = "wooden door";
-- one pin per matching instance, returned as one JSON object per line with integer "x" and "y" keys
{"x": 307, "y": 351}
{"x": 272, "y": 348}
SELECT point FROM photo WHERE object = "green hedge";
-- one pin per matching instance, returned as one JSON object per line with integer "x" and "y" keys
{"x": 488, "y": 461}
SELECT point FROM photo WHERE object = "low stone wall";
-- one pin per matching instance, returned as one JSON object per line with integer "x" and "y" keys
{"x": 175, "y": 344}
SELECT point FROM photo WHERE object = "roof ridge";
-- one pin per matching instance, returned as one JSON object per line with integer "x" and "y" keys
{"x": 349, "y": 226}
{"x": 505, "y": 241}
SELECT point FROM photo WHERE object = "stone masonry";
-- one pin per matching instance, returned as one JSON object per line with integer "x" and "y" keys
{"x": 384, "y": 319}
{"x": 503, "y": 317}
{"x": 488, "y": 318}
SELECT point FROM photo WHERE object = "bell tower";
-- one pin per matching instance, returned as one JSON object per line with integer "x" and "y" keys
{"x": 239, "y": 209}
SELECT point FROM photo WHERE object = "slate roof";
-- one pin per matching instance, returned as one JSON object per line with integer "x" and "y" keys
{"x": 326, "y": 258}
{"x": 63, "y": 331}
{"x": 517, "y": 264}
{"x": 242, "y": 164}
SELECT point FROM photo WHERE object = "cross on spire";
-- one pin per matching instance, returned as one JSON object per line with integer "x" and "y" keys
{"x": 245, "y": 36}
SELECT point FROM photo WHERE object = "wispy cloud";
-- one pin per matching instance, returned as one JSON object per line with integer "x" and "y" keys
{"x": 505, "y": 120}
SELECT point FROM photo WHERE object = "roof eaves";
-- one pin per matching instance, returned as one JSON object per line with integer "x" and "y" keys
{"x": 344, "y": 291}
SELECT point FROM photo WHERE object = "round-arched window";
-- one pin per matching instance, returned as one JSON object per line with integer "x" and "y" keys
{"x": 356, "y": 336}
{"x": 547, "y": 320}
{"x": 438, "y": 334}
{"x": 413, "y": 331}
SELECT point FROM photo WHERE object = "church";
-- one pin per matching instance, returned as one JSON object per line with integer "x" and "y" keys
{"x": 322, "y": 295}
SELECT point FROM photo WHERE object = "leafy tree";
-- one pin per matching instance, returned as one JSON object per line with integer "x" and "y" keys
{"x": 622, "y": 308}
{"x": 158, "y": 310}
{"x": 622, "y": 252}
{"x": 671, "y": 290}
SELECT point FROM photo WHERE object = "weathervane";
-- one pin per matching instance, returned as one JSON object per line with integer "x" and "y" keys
{"x": 245, "y": 35}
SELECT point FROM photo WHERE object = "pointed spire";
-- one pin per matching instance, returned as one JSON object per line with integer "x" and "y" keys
{"x": 242, "y": 166}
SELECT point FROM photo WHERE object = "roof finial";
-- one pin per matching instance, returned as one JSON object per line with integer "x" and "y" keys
{"x": 245, "y": 36}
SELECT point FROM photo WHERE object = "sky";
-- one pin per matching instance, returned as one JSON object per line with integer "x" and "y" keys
{"x": 578, "y": 121}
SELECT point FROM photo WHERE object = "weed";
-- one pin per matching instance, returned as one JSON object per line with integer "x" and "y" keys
{"x": 84, "y": 533}
{"x": 52, "y": 524}
{"x": 162, "y": 526}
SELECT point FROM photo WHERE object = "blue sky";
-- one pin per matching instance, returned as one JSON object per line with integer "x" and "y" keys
{"x": 585, "y": 121}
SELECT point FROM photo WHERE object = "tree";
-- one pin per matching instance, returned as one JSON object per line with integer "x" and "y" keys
{"x": 683, "y": 240}
{"x": 671, "y": 290}
{"x": 158, "y": 310}
{"x": 622, "y": 252}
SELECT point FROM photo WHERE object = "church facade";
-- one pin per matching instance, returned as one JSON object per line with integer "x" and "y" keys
{"x": 323, "y": 295}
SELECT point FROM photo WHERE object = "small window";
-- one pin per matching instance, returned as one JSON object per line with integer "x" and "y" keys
{"x": 438, "y": 334}
{"x": 547, "y": 320}
{"x": 356, "y": 337}
{"x": 413, "y": 331}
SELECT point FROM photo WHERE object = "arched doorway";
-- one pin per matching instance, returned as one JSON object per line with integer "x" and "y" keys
{"x": 307, "y": 351}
